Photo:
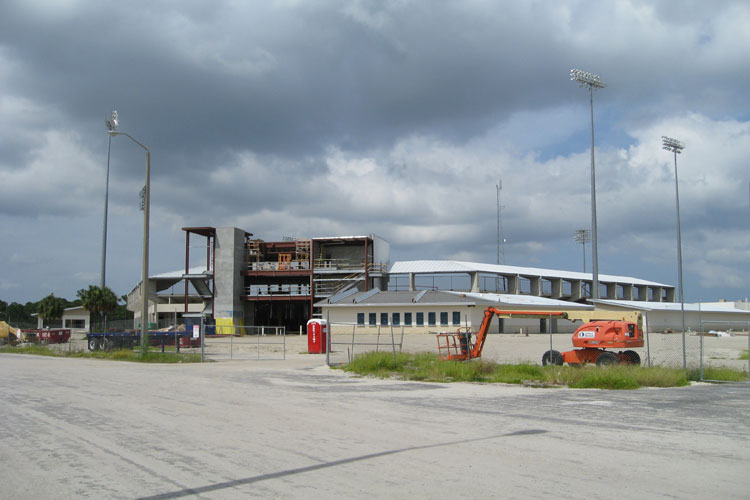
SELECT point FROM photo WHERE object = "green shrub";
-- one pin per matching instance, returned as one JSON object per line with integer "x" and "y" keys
{"x": 428, "y": 367}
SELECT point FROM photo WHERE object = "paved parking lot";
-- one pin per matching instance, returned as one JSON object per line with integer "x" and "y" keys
{"x": 78, "y": 428}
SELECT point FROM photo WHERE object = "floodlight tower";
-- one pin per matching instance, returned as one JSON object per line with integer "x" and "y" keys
{"x": 500, "y": 253}
{"x": 592, "y": 82}
{"x": 674, "y": 146}
{"x": 583, "y": 236}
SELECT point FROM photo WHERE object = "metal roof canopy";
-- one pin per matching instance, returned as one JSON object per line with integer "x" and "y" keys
{"x": 459, "y": 267}
{"x": 670, "y": 306}
{"x": 426, "y": 298}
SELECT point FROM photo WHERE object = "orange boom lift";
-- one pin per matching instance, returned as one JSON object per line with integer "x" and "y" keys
{"x": 602, "y": 330}
{"x": 460, "y": 347}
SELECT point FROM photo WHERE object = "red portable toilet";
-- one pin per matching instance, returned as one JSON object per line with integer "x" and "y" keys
{"x": 317, "y": 336}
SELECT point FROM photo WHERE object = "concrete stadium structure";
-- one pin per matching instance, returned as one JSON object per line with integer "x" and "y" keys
{"x": 236, "y": 280}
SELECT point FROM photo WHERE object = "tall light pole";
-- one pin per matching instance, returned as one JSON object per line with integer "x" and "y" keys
{"x": 144, "y": 271}
{"x": 111, "y": 123}
{"x": 676, "y": 147}
{"x": 583, "y": 236}
{"x": 592, "y": 82}
{"x": 499, "y": 187}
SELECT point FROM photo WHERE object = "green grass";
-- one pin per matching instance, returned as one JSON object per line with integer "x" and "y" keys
{"x": 744, "y": 355}
{"x": 427, "y": 367}
{"x": 718, "y": 373}
{"x": 118, "y": 355}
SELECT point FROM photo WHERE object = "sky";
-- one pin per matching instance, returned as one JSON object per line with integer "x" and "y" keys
{"x": 394, "y": 117}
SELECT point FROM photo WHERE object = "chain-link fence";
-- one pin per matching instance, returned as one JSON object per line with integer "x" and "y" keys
{"x": 247, "y": 343}
{"x": 713, "y": 343}
{"x": 346, "y": 340}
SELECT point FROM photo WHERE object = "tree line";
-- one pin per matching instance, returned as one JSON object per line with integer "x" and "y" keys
{"x": 101, "y": 302}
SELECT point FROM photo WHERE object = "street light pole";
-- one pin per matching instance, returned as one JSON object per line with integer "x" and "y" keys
{"x": 592, "y": 82}
{"x": 676, "y": 147}
{"x": 111, "y": 124}
{"x": 144, "y": 271}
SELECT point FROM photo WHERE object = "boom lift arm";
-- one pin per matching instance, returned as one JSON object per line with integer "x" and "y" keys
{"x": 458, "y": 346}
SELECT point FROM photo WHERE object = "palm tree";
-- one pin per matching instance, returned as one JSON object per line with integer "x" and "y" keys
{"x": 98, "y": 301}
{"x": 50, "y": 307}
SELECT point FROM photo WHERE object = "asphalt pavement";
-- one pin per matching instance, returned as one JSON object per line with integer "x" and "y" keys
{"x": 82, "y": 428}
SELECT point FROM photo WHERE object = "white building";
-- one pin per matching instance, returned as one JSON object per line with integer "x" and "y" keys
{"x": 430, "y": 311}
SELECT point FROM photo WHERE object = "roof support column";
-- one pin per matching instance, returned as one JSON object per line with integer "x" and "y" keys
{"x": 474, "y": 282}
{"x": 412, "y": 286}
{"x": 535, "y": 285}
{"x": 557, "y": 288}
{"x": 514, "y": 285}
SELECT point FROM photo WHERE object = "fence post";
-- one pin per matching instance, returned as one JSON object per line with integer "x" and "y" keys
{"x": 700, "y": 320}
{"x": 648, "y": 345}
{"x": 549, "y": 327}
{"x": 393, "y": 346}
{"x": 328, "y": 338}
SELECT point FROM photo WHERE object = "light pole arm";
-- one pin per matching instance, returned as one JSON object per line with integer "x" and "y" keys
{"x": 144, "y": 271}
{"x": 114, "y": 132}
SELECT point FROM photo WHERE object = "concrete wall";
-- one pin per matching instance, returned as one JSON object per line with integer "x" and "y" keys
{"x": 229, "y": 310}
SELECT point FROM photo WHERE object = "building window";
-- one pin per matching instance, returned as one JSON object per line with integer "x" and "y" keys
{"x": 75, "y": 323}
{"x": 420, "y": 319}
{"x": 360, "y": 319}
{"x": 384, "y": 319}
{"x": 431, "y": 319}
{"x": 373, "y": 319}
{"x": 456, "y": 318}
{"x": 407, "y": 319}
{"x": 444, "y": 318}
{"x": 396, "y": 319}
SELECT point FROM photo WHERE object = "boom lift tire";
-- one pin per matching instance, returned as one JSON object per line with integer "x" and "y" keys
{"x": 606, "y": 358}
{"x": 633, "y": 357}
{"x": 552, "y": 358}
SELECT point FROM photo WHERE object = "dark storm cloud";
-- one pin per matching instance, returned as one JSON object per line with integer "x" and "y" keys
{"x": 277, "y": 79}
{"x": 395, "y": 117}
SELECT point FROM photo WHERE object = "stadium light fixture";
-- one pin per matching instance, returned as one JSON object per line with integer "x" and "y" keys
{"x": 592, "y": 82}
{"x": 675, "y": 147}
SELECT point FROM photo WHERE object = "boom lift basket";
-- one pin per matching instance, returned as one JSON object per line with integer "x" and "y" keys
{"x": 457, "y": 345}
